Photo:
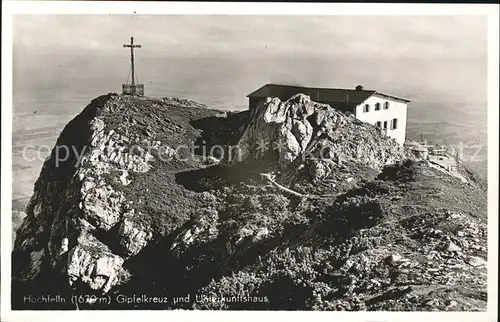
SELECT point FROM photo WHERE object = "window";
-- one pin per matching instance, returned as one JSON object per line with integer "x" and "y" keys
{"x": 378, "y": 124}
{"x": 377, "y": 107}
{"x": 366, "y": 108}
{"x": 386, "y": 105}
{"x": 394, "y": 124}
{"x": 385, "y": 125}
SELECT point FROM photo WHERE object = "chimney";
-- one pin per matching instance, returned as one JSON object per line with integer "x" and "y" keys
{"x": 359, "y": 88}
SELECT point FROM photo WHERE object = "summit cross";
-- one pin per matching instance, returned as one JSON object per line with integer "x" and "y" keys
{"x": 132, "y": 46}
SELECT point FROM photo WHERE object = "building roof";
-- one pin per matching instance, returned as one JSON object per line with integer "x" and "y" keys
{"x": 332, "y": 95}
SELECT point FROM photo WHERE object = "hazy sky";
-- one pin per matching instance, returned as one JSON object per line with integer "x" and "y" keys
{"x": 385, "y": 37}
{"x": 417, "y": 55}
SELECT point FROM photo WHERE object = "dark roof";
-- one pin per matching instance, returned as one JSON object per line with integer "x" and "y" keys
{"x": 332, "y": 95}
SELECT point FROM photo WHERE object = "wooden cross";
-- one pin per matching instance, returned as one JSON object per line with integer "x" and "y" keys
{"x": 132, "y": 46}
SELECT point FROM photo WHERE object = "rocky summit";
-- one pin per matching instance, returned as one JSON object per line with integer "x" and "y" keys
{"x": 163, "y": 203}
{"x": 301, "y": 127}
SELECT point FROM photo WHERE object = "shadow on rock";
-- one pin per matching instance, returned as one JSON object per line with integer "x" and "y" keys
{"x": 220, "y": 176}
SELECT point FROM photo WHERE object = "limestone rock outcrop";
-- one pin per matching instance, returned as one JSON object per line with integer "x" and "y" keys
{"x": 88, "y": 213}
{"x": 305, "y": 131}
{"x": 75, "y": 200}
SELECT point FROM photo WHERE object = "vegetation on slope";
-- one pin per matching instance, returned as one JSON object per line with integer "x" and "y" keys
{"x": 408, "y": 238}
{"x": 385, "y": 245}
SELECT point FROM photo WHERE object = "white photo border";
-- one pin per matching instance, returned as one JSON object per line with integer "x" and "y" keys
{"x": 10, "y": 8}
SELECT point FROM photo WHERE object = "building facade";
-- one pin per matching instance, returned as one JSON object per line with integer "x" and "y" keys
{"x": 385, "y": 111}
